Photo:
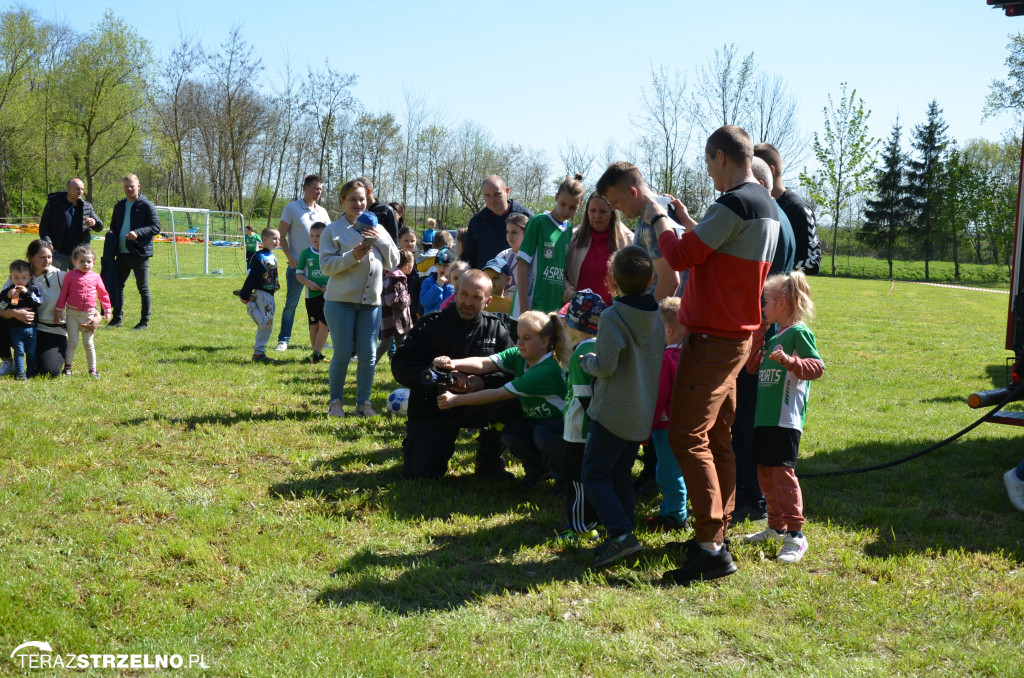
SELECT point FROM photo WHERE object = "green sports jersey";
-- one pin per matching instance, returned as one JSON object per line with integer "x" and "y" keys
{"x": 540, "y": 387}
{"x": 309, "y": 266}
{"x": 546, "y": 247}
{"x": 253, "y": 242}
{"x": 781, "y": 396}
{"x": 577, "y": 423}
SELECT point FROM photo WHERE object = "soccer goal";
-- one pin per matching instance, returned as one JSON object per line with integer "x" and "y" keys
{"x": 195, "y": 242}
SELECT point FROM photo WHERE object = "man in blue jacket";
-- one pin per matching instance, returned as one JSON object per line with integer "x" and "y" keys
{"x": 485, "y": 236}
{"x": 66, "y": 222}
{"x": 130, "y": 244}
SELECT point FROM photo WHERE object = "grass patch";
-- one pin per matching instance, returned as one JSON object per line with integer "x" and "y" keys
{"x": 190, "y": 502}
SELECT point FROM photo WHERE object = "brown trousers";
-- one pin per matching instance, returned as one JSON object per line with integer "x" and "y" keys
{"x": 700, "y": 430}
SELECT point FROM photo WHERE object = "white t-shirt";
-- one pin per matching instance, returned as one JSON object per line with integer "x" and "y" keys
{"x": 299, "y": 218}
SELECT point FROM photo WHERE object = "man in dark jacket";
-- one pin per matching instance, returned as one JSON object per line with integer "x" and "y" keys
{"x": 130, "y": 243}
{"x": 66, "y": 221}
{"x": 461, "y": 330}
{"x": 485, "y": 235}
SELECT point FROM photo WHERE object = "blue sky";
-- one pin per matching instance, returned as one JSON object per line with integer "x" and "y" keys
{"x": 542, "y": 73}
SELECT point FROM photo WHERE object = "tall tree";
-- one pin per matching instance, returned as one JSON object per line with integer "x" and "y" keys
{"x": 663, "y": 129}
{"x": 962, "y": 190}
{"x": 725, "y": 84}
{"x": 887, "y": 214}
{"x": 329, "y": 95}
{"x": 19, "y": 49}
{"x": 926, "y": 181}
{"x": 1008, "y": 95}
{"x": 175, "y": 103}
{"x": 105, "y": 93}
{"x": 845, "y": 154}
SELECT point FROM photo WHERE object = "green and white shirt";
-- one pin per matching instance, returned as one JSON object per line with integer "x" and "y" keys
{"x": 309, "y": 266}
{"x": 546, "y": 247}
{"x": 539, "y": 387}
{"x": 781, "y": 395}
{"x": 577, "y": 423}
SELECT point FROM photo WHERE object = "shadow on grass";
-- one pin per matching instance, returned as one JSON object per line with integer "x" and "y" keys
{"x": 452, "y": 570}
{"x": 232, "y": 418}
{"x": 949, "y": 499}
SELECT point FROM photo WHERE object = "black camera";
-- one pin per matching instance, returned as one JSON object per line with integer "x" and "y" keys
{"x": 436, "y": 378}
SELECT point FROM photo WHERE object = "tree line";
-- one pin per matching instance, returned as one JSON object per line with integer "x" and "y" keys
{"x": 206, "y": 126}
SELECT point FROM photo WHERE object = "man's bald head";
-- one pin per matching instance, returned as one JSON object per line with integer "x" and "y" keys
{"x": 496, "y": 194}
{"x": 473, "y": 293}
{"x": 762, "y": 172}
{"x": 75, "y": 190}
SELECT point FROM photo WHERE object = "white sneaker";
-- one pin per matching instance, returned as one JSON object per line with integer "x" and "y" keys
{"x": 365, "y": 410}
{"x": 6, "y": 367}
{"x": 282, "y": 346}
{"x": 334, "y": 409}
{"x": 767, "y": 534}
{"x": 1014, "y": 489}
{"x": 793, "y": 549}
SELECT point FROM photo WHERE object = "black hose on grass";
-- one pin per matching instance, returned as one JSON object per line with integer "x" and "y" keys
{"x": 1010, "y": 397}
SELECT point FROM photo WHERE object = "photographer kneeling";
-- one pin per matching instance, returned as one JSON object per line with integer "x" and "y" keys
{"x": 462, "y": 330}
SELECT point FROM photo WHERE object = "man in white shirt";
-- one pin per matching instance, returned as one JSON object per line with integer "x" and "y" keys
{"x": 296, "y": 219}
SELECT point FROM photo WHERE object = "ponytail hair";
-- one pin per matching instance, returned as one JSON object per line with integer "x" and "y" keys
{"x": 552, "y": 328}
{"x": 794, "y": 290}
{"x": 571, "y": 185}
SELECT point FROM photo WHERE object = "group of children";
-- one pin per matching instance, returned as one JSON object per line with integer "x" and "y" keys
{"x": 81, "y": 291}
{"x": 594, "y": 381}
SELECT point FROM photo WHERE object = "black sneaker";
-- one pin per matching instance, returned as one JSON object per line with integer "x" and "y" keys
{"x": 237, "y": 293}
{"x": 613, "y": 550}
{"x": 496, "y": 474}
{"x": 262, "y": 358}
{"x": 751, "y": 512}
{"x": 701, "y": 566}
{"x": 143, "y": 325}
{"x": 116, "y": 322}
{"x": 535, "y": 478}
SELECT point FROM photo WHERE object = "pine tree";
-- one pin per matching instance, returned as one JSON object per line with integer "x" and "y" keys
{"x": 926, "y": 181}
{"x": 888, "y": 214}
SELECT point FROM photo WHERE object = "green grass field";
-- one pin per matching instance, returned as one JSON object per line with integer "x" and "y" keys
{"x": 190, "y": 502}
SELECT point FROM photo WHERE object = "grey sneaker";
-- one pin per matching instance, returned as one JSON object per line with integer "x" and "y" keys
{"x": 767, "y": 534}
{"x": 613, "y": 549}
{"x": 1014, "y": 489}
{"x": 365, "y": 410}
{"x": 335, "y": 409}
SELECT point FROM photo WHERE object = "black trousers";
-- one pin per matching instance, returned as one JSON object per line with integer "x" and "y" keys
{"x": 430, "y": 443}
{"x": 132, "y": 263}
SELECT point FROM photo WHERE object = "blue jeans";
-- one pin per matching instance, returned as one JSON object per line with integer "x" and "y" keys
{"x": 342, "y": 317}
{"x": 291, "y": 302}
{"x": 23, "y": 341}
{"x": 608, "y": 479}
{"x": 537, "y": 443}
{"x": 669, "y": 477}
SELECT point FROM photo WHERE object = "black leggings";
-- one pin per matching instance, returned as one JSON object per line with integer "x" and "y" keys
{"x": 50, "y": 352}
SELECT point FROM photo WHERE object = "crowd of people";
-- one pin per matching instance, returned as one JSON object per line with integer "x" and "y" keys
{"x": 568, "y": 349}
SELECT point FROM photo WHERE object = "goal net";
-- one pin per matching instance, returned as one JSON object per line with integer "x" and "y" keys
{"x": 195, "y": 242}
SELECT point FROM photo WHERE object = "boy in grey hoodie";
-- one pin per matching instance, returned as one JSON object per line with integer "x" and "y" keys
{"x": 626, "y": 364}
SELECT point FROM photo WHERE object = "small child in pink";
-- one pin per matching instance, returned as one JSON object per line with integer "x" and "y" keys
{"x": 79, "y": 293}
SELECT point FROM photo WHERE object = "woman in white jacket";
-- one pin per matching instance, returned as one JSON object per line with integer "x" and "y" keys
{"x": 354, "y": 252}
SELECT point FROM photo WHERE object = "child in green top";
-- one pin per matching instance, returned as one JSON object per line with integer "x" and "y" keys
{"x": 786, "y": 365}
{"x": 535, "y": 363}
{"x": 581, "y": 315}
{"x": 540, "y": 275}
{"x": 252, "y": 244}
{"x": 308, "y": 273}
